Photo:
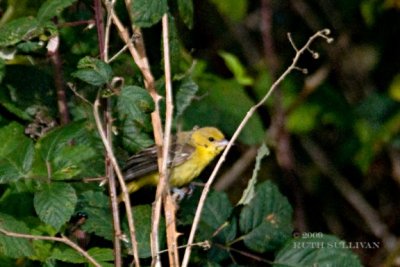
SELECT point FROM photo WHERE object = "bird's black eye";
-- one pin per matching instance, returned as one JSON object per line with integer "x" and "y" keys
{"x": 211, "y": 139}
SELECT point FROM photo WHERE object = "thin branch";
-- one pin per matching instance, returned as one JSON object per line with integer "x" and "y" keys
{"x": 122, "y": 50}
{"x": 244, "y": 253}
{"x": 54, "y": 54}
{"x": 228, "y": 178}
{"x": 320, "y": 34}
{"x": 109, "y": 7}
{"x": 138, "y": 52}
{"x": 98, "y": 16}
{"x": 289, "y": 36}
{"x": 104, "y": 36}
{"x": 112, "y": 188}
{"x": 163, "y": 193}
{"x": 72, "y": 87}
{"x": 62, "y": 239}
{"x": 88, "y": 22}
{"x": 203, "y": 244}
{"x": 266, "y": 34}
{"x": 311, "y": 83}
{"x": 121, "y": 180}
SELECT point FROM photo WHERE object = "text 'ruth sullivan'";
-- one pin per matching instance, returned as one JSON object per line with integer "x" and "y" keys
{"x": 340, "y": 244}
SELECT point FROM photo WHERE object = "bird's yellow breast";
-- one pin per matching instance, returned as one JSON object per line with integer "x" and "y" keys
{"x": 186, "y": 172}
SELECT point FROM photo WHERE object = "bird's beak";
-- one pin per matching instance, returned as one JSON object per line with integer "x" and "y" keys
{"x": 222, "y": 143}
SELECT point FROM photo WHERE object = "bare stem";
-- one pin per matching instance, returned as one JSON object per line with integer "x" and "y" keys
{"x": 121, "y": 180}
{"x": 138, "y": 52}
{"x": 62, "y": 239}
{"x": 98, "y": 14}
{"x": 54, "y": 54}
{"x": 320, "y": 34}
{"x": 104, "y": 37}
{"x": 163, "y": 186}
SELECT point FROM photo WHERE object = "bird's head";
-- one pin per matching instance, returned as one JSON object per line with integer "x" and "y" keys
{"x": 209, "y": 138}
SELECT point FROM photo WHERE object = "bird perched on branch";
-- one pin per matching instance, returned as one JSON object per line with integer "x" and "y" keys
{"x": 190, "y": 153}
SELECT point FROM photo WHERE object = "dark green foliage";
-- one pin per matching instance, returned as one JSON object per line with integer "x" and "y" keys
{"x": 134, "y": 106}
{"x": 267, "y": 220}
{"x": 16, "y": 153}
{"x": 223, "y": 60}
{"x": 325, "y": 250}
{"x": 10, "y": 246}
{"x": 55, "y": 203}
{"x": 146, "y": 13}
{"x": 93, "y": 71}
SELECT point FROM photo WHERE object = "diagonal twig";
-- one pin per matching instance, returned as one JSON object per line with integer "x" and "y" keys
{"x": 62, "y": 239}
{"x": 293, "y": 66}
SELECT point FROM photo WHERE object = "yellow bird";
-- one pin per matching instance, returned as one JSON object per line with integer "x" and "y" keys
{"x": 190, "y": 153}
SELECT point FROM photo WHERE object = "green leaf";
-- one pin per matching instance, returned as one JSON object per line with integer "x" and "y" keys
{"x": 175, "y": 49}
{"x": 21, "y": 29}
{"x": 97, "y": 206}
{"x": 57, "y": 156}
{"x": 134, "y": 105}
{"x": 11, "y": 246}
{"x": 29, "y": 47}
{"x": 13, "y": 109}
{"x": 67, "y": 254}
{"x": 316, "y": 251}
{"x": 9, "y": 135}
{"x": 145, "y": 13}
{"x": 234, "y": 65}
{"x": 52, "y": 8}
{"x": 93, "y": 71}
{"x": 215, "y": 216}
{"x": 266, "y": 220}
{"x": 101, "y": 254}
{"x": 249, "y": 192}
{"x": 185, "y": 94}
{"x": 55, "y": 203}
{"x": 142, "y": 218}
{"x": 16, "y": 153}
{"x": 185, "y": 8}
{"x": 135, "y": 138}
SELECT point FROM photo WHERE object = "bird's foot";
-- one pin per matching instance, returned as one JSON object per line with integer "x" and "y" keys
{"x": 179, "y": 193}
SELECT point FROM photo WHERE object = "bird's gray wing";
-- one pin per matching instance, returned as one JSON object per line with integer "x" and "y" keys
{"x": 145, "y": 162}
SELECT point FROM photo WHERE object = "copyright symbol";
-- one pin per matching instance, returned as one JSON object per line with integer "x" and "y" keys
{"x": 296, "y": 234}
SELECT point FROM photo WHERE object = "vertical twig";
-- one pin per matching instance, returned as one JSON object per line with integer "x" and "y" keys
{"x": 138, "y": 53}
{"x": 163, "y": 188}
{"x": 121, "y": 180}
{"x": 109, "y": 7}
{"x": 98, "y": 16}
{"x": 112, "y": 187}
{"x": 323, "y": 34}
{"x": 53, "y": 53}
{"x": 103, "y": 40}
